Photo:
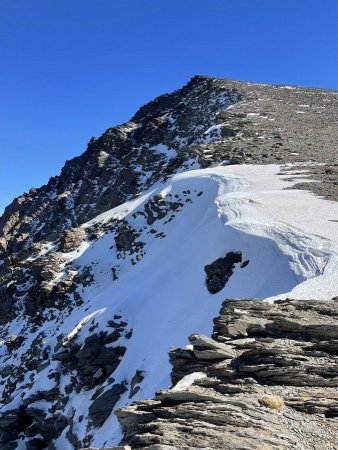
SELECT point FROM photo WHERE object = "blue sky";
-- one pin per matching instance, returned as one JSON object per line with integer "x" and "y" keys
{"x": 72, "y": 68}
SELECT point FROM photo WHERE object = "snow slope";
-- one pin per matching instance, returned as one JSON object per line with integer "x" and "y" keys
{"x": 289, "y": 237}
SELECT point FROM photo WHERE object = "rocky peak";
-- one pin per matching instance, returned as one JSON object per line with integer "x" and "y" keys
{"x": 80, "y": 282}
{"x": 118, "y": 165}
{"x": 193, "y": 125}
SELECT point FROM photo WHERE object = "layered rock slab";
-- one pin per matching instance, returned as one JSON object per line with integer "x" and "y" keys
{"x": 274, "y": 388}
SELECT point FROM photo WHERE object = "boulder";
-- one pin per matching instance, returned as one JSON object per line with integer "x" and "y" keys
{"x": 103, "y": 405}
{"x": 219, "y": 271}
{"x": 205, "y": 348}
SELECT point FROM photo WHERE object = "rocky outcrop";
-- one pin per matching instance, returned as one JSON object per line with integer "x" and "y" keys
{"x": 71, "y": 239}
{"x": 41, "y": 417}
{"x": 94, "y": 360}
{"x": 205, "y": 349}
{"x": 39, "y": 427}
{"x": 268, "y": 378}
{"x": 219, "y": 271}
{"x": 103, "y": 405}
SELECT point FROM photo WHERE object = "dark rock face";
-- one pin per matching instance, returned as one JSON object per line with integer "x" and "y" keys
{"x": 103, "y": 405}
{"x": 137, "y": 378}
{"x": 219, "y": 271}
{"x": 89, "y": 365}
{"x": 71, "y": 239}
{"x": 126, "y": 238}
{"x": 269, "y": 380}
{"x": 94, "y": 361}
{"x": 32, "y": 422}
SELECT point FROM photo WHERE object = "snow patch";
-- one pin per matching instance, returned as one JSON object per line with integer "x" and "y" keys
{"x": 188, "y": 380}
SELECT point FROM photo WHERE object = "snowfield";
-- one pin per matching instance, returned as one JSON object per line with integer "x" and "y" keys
{"x": 285, "y": 234}
{"x": 289, "y": 237}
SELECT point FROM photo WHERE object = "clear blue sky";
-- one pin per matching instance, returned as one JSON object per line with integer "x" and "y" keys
{"x": 72, "y": 68}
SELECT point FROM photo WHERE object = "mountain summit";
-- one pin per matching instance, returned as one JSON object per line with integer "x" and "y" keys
{"x": 220, "y": 190}
{"x": 270, "y": 124}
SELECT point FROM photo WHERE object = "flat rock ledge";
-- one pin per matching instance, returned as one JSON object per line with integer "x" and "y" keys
{"x": 268, "y": 379}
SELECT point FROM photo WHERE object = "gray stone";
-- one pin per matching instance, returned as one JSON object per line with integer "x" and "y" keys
{"x": 275, "y": 377}
{"x": 103, "y": 405}
{"x": 206, "y": 349}
{"x": 71, "y": 239}
{"x": 191, "y": 395}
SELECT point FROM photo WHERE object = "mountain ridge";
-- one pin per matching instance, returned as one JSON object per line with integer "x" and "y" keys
{"x": 202, "y": 195}
{"x": 119, "y": 133}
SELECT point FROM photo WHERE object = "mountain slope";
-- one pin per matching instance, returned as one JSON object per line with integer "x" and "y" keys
{"x": 100, "y": 278}
{"x": 124, "y": 161}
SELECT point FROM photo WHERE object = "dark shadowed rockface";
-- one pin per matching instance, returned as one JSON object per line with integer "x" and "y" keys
{"x": 219, "y": 271}
{"x": 268, "y": 379}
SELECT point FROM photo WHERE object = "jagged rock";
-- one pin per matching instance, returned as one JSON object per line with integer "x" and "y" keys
{"x": 125, "y": 239}
{"x": 282, "y": 375}
{"x": 9, "y": 445}
{"x": 47, "y": 267}
{"x": 219, "y": 271}
{"x": 119, "y": 447}
{"x": 72, "y": 438}
{"x": 33, "y": 422}
{"x": 35, "y": 444}
{"x": 7, "y": 304}
{"x": 62, "y": 356}
{"x": 13, "y": 342}
{"x": 95, "y": 359}
{"x": 86, "y": 276}
{"x": 103, "y": 405}
{"x": 206, "y": 349}
{"x": 71, "y": 239}
{"x": 137, "y": 379}
{"x": 191, "y": 395}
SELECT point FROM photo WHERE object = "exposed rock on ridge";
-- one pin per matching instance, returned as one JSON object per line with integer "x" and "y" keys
{"x": 54, "y": 264}
{"x": 193, "y": 125}
{"x": 219, "y": 271}
{"x": 267, "y": 123}
{"x": 269, "y": 381}
{"x": 39, "y": 419}
{"x": 115, "y": 167}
